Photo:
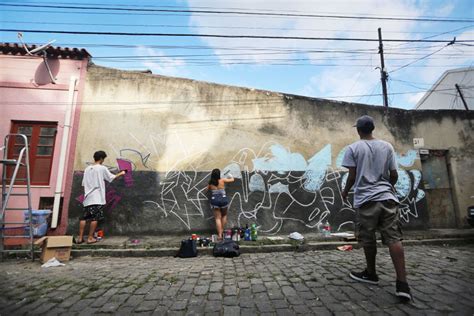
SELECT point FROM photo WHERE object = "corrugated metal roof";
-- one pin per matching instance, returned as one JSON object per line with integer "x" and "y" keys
{"x": 16, "y": 49}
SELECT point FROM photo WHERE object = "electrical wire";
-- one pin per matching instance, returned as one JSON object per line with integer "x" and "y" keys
{"x": 227, "y": 27}
{"x": 350, "y": 39}
{"x": 216, "y": 27}
{"x": 184, "y": 6}
{"x": 234, "y": 12}
{"x": 417, "y": 60}
{"x": 354, "y": 51}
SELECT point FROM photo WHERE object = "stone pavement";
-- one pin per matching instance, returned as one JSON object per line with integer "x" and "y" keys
{"x": 285, "y": 283}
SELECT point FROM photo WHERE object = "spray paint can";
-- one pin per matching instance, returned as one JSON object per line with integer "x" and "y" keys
{"x": 247, "y": 233}
{"x": 228, "y": 234}
{"x": 235, "y": 234}
{"x": 253, "y": 232}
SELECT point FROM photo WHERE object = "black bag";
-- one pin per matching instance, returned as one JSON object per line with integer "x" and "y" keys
{"x": 188, "y": 249}
{"x": 226, "y": 248}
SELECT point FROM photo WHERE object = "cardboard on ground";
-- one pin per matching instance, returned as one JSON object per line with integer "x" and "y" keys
{"x": 55, "y": 246}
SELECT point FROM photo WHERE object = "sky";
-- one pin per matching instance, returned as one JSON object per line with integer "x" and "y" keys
{"x": 340, "y": 70}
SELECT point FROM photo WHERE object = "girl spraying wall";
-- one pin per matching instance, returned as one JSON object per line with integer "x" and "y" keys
{"x": 219, "y": 200}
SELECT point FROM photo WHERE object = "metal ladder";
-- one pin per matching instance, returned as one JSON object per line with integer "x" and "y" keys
{"x": 7, "y": 192}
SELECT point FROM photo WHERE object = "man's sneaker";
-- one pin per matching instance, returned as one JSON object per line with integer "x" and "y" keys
{"x": 403, "y": 291}
{"x": 365, "y": 276}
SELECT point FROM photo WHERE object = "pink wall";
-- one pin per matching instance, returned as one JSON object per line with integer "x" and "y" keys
{"x": 27, "y": 94}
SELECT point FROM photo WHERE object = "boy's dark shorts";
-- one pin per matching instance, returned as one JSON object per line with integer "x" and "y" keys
{"x": 378, "y": 215}
{"x": 93, "y": 213}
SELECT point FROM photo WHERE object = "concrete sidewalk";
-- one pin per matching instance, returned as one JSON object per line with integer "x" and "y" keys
{"x": 157, "y": 246}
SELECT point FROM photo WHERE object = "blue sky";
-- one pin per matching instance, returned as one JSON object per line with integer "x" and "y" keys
{"x": 339, "y": 70}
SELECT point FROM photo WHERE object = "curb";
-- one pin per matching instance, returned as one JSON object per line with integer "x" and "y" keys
{"x": 312, "y": 246}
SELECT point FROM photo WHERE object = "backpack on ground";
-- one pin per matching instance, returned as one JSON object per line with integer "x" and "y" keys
{"x": 226, "y": 248}
{"x": 188, "y": 249}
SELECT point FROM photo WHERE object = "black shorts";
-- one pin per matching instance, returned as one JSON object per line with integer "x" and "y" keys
{"x": 93, "y": 213}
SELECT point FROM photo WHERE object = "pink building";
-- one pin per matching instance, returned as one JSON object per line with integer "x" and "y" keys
{"x": 39, "y": 105}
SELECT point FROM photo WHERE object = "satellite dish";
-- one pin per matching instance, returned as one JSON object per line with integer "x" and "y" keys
{"x": 41, "y": 48}
{"x": 37, "y": 51}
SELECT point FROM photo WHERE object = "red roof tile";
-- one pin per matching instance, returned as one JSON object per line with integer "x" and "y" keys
{"x": 55, "y": 52}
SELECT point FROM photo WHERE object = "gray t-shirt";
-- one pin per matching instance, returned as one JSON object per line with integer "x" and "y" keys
{"x": 373, "y": 160}
{"x": 94, "y": 185}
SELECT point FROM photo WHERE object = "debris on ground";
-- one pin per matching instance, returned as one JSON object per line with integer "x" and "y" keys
{"x": 53, "y": 262}
{"x": 296, "y": 236}
{"x": 345, "y": 248}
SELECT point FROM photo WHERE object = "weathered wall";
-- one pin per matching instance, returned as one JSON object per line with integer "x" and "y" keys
{"x": 285, "y": 151}
{"x": 447, "y": 130}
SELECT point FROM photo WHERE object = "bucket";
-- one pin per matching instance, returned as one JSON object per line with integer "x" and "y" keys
{"x": 39, "y": 222}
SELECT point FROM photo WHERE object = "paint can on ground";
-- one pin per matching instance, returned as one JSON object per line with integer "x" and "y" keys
{"x": 235, "y": 234}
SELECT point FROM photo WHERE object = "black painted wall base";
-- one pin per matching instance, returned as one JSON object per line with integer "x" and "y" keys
{"x": 176, "y": 203}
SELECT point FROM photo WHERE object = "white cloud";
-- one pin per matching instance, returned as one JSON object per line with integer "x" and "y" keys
{"x": 445, "y": 10}
{"x": 354, "y": 73}
{"x": 414, "y": 98}
{"x": 159, "y": 63}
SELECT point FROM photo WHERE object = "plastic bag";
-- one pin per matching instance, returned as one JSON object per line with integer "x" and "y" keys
{"x": 53, "y": 262}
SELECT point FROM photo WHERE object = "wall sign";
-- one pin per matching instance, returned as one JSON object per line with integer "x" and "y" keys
{"x": 418, "y": 142}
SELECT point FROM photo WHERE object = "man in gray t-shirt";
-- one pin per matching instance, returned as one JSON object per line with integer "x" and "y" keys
{"x": 373, "y": 173}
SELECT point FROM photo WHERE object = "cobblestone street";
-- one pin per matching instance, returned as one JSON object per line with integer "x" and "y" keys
{"x": 314, "y": 282}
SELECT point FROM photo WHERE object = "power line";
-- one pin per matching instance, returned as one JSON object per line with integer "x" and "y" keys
{"x": 416, "y": 84}
{"x": 417, "y": 60}
{"x": 226, "y": 27}
{"x": 370, "y": 51}
{"x": 262, "y": 13}
{"x": 194, "y": 7}
{"x": 228, "y": 36}
{"x": 352, "y": 57}
{"x": 191, "y": 57}
{"x": 243, "y": 61}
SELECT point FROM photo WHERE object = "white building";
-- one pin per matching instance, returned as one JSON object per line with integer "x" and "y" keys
{"x": 445, "y": 93}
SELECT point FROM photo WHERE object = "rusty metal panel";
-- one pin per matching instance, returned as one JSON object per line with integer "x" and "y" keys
{"x": 435, "y": 170}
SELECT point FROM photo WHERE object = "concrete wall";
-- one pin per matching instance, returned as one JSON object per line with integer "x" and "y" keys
{"x": 27, "y": 94}
{"x": 285, "y": 150}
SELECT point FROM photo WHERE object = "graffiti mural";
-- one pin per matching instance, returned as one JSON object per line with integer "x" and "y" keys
{"x": 280, "y": 190}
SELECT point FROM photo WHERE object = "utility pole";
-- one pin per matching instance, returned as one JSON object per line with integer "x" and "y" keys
{"x": 383, "y": 73}
{"x": 462, "y": 96}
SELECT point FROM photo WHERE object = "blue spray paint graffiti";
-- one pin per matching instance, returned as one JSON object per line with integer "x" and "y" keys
{"x": 408, "y": 159}
{"x": 340, "y": 157}
{"x": 278, "y": 188}
{"x": 316, "y": 170}
{"x": 282, "y": 160}
{"x": 256, "y": 183}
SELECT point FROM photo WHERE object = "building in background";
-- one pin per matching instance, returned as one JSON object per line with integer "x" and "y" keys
{"x": 452, "y": 91}
{"x": 40, "y": 105}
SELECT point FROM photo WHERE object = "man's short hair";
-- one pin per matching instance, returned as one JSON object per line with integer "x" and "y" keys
{"x": 98, "y": 155}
